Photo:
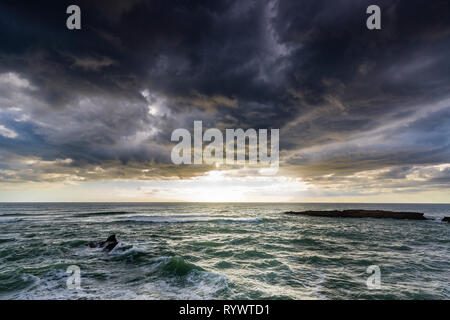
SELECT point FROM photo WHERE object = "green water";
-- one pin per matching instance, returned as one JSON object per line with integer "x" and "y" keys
{"x": 220, "y": 251}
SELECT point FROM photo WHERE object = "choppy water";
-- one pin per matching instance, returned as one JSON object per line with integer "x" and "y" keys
{"x": 220, "y": 251}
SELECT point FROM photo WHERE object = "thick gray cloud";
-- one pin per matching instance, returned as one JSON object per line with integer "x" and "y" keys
{"x": 346, "y": 99}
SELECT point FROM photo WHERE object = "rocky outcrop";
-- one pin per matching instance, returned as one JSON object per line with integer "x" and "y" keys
{"x": 446, "y": 219}
{"x": 107, "y": 245}
{"x": 379, "y": 214}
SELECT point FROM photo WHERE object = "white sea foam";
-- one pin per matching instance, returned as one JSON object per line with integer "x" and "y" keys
{"x": 198, "y": 285}
{"x": 189, "y": 219}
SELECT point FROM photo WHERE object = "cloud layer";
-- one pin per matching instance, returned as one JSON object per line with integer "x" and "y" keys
{"x": 359, "y": 111}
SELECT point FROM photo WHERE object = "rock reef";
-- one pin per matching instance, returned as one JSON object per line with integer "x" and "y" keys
{"x": 379, "y": 214}
{"x": 107, "y": 245}
{"x": 446, "y": 219}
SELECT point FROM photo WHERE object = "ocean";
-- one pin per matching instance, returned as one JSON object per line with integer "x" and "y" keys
{"x": 220, "y": 251}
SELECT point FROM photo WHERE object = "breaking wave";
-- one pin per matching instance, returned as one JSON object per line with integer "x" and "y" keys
{"x": 188, "y": 219}
{"x": 102, "y": 213}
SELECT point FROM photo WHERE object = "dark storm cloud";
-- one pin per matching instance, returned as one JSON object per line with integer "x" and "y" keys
{"x": 138, "y": 69}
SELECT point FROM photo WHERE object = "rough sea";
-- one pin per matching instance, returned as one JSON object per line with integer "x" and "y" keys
{"x": 220, "y": 251}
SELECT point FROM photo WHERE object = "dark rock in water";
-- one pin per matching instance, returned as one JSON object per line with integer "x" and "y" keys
{"x": 446, "y": 219}
{"x": 362, "y": 214}
{"x": 107, "y": 245}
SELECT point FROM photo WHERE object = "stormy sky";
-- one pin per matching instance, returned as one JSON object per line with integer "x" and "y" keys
{"x": 87, "y": 115}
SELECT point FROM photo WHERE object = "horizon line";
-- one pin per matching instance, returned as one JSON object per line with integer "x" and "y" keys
{"x": 226, "y": 202}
